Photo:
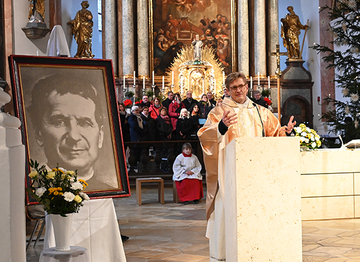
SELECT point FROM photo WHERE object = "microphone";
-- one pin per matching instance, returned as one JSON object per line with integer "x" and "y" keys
{"x": 262, "y": 124}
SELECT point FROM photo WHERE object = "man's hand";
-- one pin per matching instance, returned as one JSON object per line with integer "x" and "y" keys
{"x": 290, "y": 126}
{"x": 189, "y": 173}
{"x": 229, "y": 119}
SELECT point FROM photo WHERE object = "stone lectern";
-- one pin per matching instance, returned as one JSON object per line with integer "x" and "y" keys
{"x": 262, "y": 200}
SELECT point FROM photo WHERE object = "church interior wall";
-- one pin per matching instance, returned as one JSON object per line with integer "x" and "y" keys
{"x": 21, "y": 44}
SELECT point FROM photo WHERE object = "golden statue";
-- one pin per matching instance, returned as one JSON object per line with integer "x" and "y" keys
{"x": 37, "y": 11}
{"x": 81, "y": 28}
{"x": 290, "y": 31}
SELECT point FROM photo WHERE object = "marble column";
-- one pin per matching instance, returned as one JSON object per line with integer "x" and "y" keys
{"x": 143, "y": 37}
{"x": 260, "y": 37}
{"x": 243, "y": 36}
{"x": 273, "y": 34}
{"x": 128, "y": 37}
{"x": 12, "y": 193}
{"x": 110, "y": 33}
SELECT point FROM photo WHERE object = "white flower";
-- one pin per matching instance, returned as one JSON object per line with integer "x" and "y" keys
{"x": 297, "y": 129}
{"x": 308, "y": 130}
{"x": 77, "y": 185}
{"x": 354, "y": 97}
{"x": 84, "y": 196}
{"x": 306, "y": 140}
{"x": 317, "y": 138}
{"x": 345, "y": 91}
{"x": 347, "y": 110}
{"x": 303, "y": 134}
{"x": 68, "y": 196}
{"x": 302, "y": 139}
{"x": 313, "y": 144}
{"x": 40, "y": 191}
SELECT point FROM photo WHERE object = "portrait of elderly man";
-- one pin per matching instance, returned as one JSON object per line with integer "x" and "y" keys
{"x": 68, "y": 119}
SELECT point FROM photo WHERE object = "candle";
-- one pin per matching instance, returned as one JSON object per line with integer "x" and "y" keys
{"x": 134, "y": 78}
{"x": 163, "y": 82}
{"x": 153, "y": 76}
{"x": 172, "y": 78}
{"x": 250, "y": 82}
{"x": 143, "y": 82}
{"x": 124, "y": 82}
{"x": 258, "y": 78}
{"x": 268, "y": 82}
{"x": 223, "y": 77}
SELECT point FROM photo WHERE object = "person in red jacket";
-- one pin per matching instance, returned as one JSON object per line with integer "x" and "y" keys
{"x": 174, "y": 111}
{"x": 155, "y": 108}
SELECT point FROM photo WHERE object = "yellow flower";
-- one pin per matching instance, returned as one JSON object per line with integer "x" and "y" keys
{"x": 56, "y": 193}
{"x": 50, "y": 175}
{"x": 33, "y": 174}
{"x": 59, "y": 189}
{"x": 58, "y": 170}
{"x": 83, "y": 182}
{"x": 77, "y": 199}
{"x": 51, "y": 190}
{"x": 61, "y": 193}
{"x": 70, "y": 173}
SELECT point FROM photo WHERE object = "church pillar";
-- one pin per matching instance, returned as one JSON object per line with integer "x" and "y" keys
{"x": 143, "y": 37}
{"x": 243, "y": 37}
{"x": 128, "y": 37}
{"x": 273, "y": 34}
{"x": 110, "y": 33}
{"x": 260, "y": 37}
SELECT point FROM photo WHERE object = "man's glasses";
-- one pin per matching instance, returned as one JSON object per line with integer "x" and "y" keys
{"x": 235, "y": 88}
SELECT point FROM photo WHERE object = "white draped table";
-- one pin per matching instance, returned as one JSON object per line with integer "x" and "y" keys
{"x": 96, "y": 228}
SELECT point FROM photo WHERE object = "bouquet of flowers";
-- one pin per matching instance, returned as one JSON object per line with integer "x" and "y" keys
{"x": 127, "y": 103}
{"x": 268, "y": 101}
{"x": 58, "y": 190}
{"x": 308, "y": 137}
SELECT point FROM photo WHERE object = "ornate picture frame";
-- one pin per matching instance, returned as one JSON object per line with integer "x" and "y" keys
{"x": 174, "y": 24}
{"x": 69, "y": 114}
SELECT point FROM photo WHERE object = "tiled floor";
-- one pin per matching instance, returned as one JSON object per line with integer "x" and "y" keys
{"x": 175, "y": 232}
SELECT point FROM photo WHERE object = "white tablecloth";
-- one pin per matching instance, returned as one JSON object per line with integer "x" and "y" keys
{"x": 96, "y": 228}
{"x": 75, "y": 254}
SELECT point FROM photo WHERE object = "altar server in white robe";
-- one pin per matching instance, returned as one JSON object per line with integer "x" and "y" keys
{"x": 187, "y": 176}
{"x": 237, "y": 116}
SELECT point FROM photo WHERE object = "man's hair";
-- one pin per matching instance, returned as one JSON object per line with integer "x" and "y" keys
{"x": 186, "y": 145}
{"x": 256, "y": 92}
{"x": 62, "y": 84}
{"x": 170, "y": 92}
{"x": 234, "y": 76}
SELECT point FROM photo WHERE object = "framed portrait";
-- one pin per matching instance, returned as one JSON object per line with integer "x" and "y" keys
{"x": 175, "y": 24}
{"x": 69, "y": 115}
